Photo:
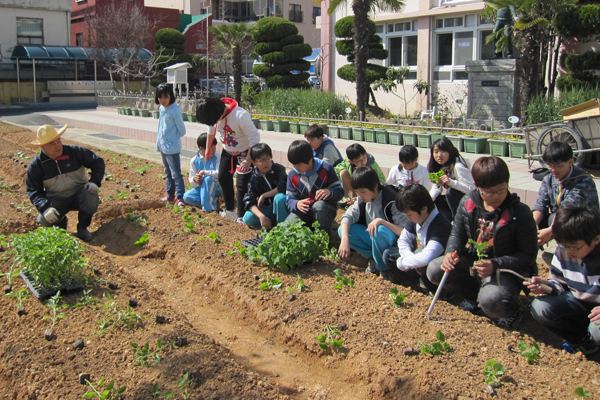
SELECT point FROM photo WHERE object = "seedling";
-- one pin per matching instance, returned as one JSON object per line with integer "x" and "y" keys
{"x": 530, "y": 353}
{"x": 298, "y": 286}
{"x": 206, "y": 221}
{"x": 86, "y": 300}
{"x": 332, "y": 254}
{"x": 22, "y": 156}
{"x": 239, "y": 248}
{"x": 582, "y": 393}
{"x": 143, "y": 354}
{"x": 142, "y": 240}
{"x": 214, "y": 236}
{"x": 189, "y": 223}
{"x": 182, "y": 385}
{"x": 342, "y": 280}
{"x": 130, "y": 165}
{"x": 435, "y": 176}
{"x": 109, "y": 391}
{"x": 493, "y": 370}
{"x": 142, "y": 170}
{"x": 20, "y": 295}
{"x": 397, "y": 298}
{"x": 122, "y": 194}
{"x": 269, "y": 282}
{"x": 161, "y": 176}
{"x": 114, "y": 159}
{"x": 12, "y": 273}
{"x": 54, "y": 306}
{"x": 327, "y": 338}
{"x": 108, "y": 176}
{"x": 111, "y": 197}
{"x": 436, "y": 348}
{"x": 126, "y": 317}
{"x": 480, "y": 248}
{"x": 136, "y": 218}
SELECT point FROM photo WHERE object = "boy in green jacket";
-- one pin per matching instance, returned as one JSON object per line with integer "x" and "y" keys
{"x": 357, "y": 157}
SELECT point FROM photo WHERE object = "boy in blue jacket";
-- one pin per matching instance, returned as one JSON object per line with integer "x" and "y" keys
{"x": 203, "y": 177}
{"x": 323, "y": 147}
{"x": 265, "y": 198}
{"x": 313, "y": 188}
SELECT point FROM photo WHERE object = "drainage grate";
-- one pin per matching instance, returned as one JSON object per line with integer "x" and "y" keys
{"x": 106, "y": 136}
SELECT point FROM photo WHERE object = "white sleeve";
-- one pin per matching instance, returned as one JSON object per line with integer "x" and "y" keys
{"x": 214, "y": 172}
{"x": 435, "y": 191}
{"x": 193, "y": 171}
{"x": 432, "y": 250}
{"x": 393, "y": 177}
{"x": 405, "y": 243}
{"x": 464, "y": 183}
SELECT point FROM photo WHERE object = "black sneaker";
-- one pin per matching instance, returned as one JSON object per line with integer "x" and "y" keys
{"x": 84, "y": 234}
{"x": 588, "y": 347}
{"x": 511, "y": 323}
{"x": 372, "y": 268}
{"x": 474, "y": 309}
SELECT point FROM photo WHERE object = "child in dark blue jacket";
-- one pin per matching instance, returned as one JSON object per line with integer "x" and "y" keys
{"x": 323, "y": 147}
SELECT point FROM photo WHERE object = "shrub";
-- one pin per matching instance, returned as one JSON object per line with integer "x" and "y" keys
{"x": 541, "y": 109}
{"x": 287, "y": 101}
{"x": 578, "y": 22}
{"x": 249, "y": 92}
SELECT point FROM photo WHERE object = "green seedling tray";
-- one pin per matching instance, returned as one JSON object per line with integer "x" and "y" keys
{"x": 70, "y": 285}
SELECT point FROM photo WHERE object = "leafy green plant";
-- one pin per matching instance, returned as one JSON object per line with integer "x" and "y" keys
{"x": 160, "y": 176}
{"x": 142, "y": 240}
{"x": 493, "y": 370}
{"x": 480, "y": 248}
{"x": 182, "y": 385}
{"x": 214, "y": 236}
{"x": 289, "y": 245}
{"x": 122, "y": 194}
{"x": 397, "y": 298}
{"x": 206, "y": 221}
{"x": 332, "y": 254}
{"x": 114, "y": 317}
{"x": 13, "y": 272}
{"x": 142, "y": 170}
{"x": 20, "y": 295}
{"x": 268, "y": 282}
{"x": 108, "y": 393}
{"x": 342, "y": 280}
{"x": 531, "y": 353}
{"x": 108, "y": 176}
{"x": 327, "y": 338}
{"x": 189, "y": 223}
{"x": 111, "y": 197}
{"x": 582, "y": 393}
{"x": 54, "y": 305}
{"x": 239, "y": 248}
{"x": 86, "y": 300}
{"x": 141, "y": 355}
{"x": 436, "y": 348}
{"x": 22, "y": 155}
{"x": 298, "y": 286}
{"x": 435, "y": 176}
{"x": 48, "y": 255}
{"x": 135, "y": 217}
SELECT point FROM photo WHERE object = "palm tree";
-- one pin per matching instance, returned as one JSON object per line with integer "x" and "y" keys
{"x": 236, "y": 38}
{"x": 361, "y": 9}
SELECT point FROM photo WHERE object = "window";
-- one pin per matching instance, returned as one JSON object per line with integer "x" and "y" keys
{"x": 403, "y": 51}
{"x": 463, "y": 47}
{"x": 487, "y": 49}
{"x": 316, "y": 13}
{"x": 444, "y": 49}
{"x": 30, "y": 31}
{"x": 449, "y": 22}
{"x": 379, "y": 29}
{"x": 295, "y": 13}
{"x": 79, "y": 39}
{"x": 395, "y": 50}
{"x": 411, "y": 50}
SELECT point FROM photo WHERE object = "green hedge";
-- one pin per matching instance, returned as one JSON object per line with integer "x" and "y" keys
{"x": 578, "y": 22}
{"x": 374, "y": 72}
{"x": 276, "y": 57}
{"x": 273, "y": 29}
{"x": 289, "y": 80}
{"x": 169, "y": 35}
{"x": 297, "y": 51}
{"x": 262, "y": 71}
{"x": 292, "y": 39}
{"x": 282, "y": 69}
{"x": 541, "y": 110}
{"x": 581, "y": 62}
{"x": 309, "y": 101}
{"x": 267, "y": 47}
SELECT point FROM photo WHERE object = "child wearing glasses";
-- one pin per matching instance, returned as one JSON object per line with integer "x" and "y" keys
{"x": 203, "y": 177}
{"x": 357, "y": 157}
{"x": 566, "y": 184}
{"x": 505, "y": 233}
{"x": 571, "y": 305}
{"x": 265, "y": 199}
{"x": 323, "y": 147}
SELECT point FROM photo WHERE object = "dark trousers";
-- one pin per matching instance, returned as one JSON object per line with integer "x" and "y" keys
{"x": 82, "y": 201}
{"x": 404, "y": 278}
{"x": 226, "y": 171}
{"x": 322, "y": 211}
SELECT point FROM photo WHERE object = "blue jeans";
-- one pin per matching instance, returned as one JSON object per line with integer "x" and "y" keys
{"x": 566, "y": 316}
{"x": 172, "y": 167}
{"x": 204, "y": 195}
{"x": 276, "y": 212}
{"x": 371, "y": 247}
{"x": 82, "y": 201}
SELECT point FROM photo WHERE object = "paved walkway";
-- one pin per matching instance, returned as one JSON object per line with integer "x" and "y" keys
{"x": 106, "y": 129}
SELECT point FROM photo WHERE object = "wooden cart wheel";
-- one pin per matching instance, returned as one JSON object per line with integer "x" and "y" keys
{"x": 562, "y": 133}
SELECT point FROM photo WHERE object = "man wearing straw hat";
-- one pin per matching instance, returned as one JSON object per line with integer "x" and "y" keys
{"x": 57, "y": 181}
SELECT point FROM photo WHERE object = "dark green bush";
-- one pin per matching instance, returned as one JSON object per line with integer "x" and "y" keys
{"x": 287, "y": 101}
{"x": 541, "y": 110}
{"x": 344, "y": 27}
{"x": 295, "y": 51}
{"x": 578, "y": 22}
{"x": 581, "y": 62}
{"x": 569, "y": 81}
{"x": 267, "y": 47}
{"x": 273, "y": 29}
{"x": 249, "y": 92}
{"x": 374, "y": 72}
{"x": 299, "y": 80}
{"x": 276, "y": 57}
{"x": 345, "y": 47}
{"x": 292, "y": 39}
{"x": 262, "y": 70}
{"x": 282, "y": 69}
{"x": 169, "y": 35}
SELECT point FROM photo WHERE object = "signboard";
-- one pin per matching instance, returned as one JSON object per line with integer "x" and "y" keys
{"x": 490, "y": 83}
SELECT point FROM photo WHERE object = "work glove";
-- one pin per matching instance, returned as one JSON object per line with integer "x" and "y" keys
{"x": 91, "y": 187}
{"x": 51, "y": 215}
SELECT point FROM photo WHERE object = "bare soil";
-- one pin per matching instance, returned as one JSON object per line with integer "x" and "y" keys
{"x": 244, "y": 343}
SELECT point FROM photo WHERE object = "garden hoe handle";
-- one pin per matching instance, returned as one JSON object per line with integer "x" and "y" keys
{"x": 547, "y": 289}
{"x": 437, "y": 295}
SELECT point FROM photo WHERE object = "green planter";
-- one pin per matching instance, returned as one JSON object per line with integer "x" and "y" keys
{"x": 334, "y": 131}
{"x": 281, "y": 125}
{"x": 345, "y": 132}
{"x": 424, "y": 139}
{"x": 156, "y": 114}
{"x": 457, "y": 141}
{"x": 255, "y": 121}
{"x": 358, "y": 134}
{"x": 382, "y": 136}
{"x": 324, "y": 126}
{"x": 128, "y": 111}
{"x": 369, "y": 134}
{"x": 475, "y": 144}
{"x": 304, "y": 126}
{"x": 266, "y": 124}
{"x": 184, "y": 116}
{"x": 517, "y": 148}
{"x": 436, "y": 136}
{"x": 295, "y": 127}
{"x": 145, "y": 113}
{"x": 409, "y": 137}
{"x": 395, "y": 137}
{"x": 135, "y": 112}
{"x": 120, "y": 110}
{"x": 191, "y": 117}
{"x": 498, "y": 147}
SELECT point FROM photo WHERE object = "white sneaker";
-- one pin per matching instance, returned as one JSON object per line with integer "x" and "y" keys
{"x": 239, "y": 220}
{"x": 232, "y": 215}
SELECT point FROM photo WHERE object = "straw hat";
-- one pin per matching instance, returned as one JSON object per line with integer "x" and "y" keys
{"x": 45, "y": 135}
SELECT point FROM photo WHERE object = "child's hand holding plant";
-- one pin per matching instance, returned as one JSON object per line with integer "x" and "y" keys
{"x": 435, "y": 177}
{"x": 483, "y": 268}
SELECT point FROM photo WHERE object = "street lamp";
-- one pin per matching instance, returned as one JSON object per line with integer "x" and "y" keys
{"x": 207, "y": 63}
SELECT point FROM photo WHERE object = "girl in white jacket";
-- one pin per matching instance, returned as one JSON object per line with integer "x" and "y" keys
{"x": 457, "y": 178}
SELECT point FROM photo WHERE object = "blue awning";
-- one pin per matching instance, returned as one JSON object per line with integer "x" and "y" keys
{"x": 63, "y": 53}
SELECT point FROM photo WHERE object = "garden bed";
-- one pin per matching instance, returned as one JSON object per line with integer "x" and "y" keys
{"x": 244, "y": 343}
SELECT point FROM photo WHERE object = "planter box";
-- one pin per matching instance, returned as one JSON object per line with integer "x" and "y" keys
{"x": 334, "y": 131}
{"x": 135, "y": 112}
{"x": 266, "y": 124}
{"x": 120, "y": 110}
{"x": 369, "y": 134}
{"x": 436, "y": 136}
{"x": 156, "y": 114}
{"x": 357, "y": 133}
{"x": 345, "y": 132}
{"x": 475, "y": 144}
{"x": 67, "y": 286}
{"x": 184, "y": 116}
{"x": 255, "y": 121}
{"x": 304, "y": 126}
{"x": 517, "y": 148}
{"x": 498, "y": 147}
{"x": 128, "y": 111}
{"x": 424, "y": 139}
{"x": 457, "y": 141}
{"x": 281, "y": 125}
{"x": 145, "y": 113}
{"x": 191, "y": 117}
{"x": 295, "y": 127}
{"x": 409, "y": 137}
{"x": 382, "y": 136}
{"x": 395, "y": 137}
